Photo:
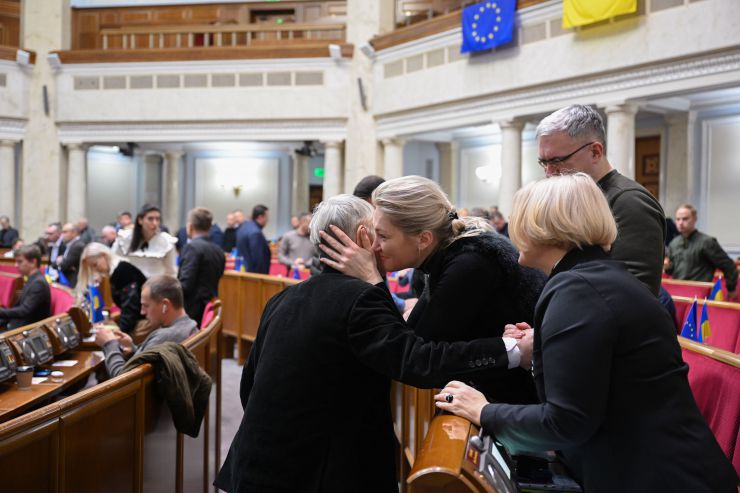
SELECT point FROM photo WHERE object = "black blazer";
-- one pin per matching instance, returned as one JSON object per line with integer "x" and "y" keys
{"x": 201, "y": 267}
{"x": 70, "y": 265}
{"x": 126, "y": 282}
{"x": 615, "y": 398}
{"x": 475, "y": 287}
{"x": 34, "y": 303}
{"x": 316, "y": 388}
{"x": 253, "y": 247}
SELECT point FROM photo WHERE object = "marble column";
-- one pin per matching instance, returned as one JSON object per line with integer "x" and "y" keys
{"x": 171, "y": 190}
{"x": 7, "y": 183}
{"x": 679, "y": 172}
{"x": 393, "y": 158}
{"x": 511, "y": 163}
{"x": 300, "y": 190}
{"x": 333, "y": 172}
{"x": 76, "y": 182}
{"x": 448, "y": 168}
{"x": 620, "y": 138}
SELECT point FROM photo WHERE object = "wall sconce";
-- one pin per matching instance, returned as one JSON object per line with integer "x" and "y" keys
{"x": 486, "y": 174}
{"x": 237, "y": 190}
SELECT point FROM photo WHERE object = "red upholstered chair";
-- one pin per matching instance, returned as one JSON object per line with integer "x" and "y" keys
{"x": 8, "y": 268}
{"x": 9, "y": 284}
{"x": 211, "y": 312}
{"x": 62, "y": 299}
{"x": 714, "y": 377}
{"x": 724, "y": 320}
{"x": 690, "y": 289}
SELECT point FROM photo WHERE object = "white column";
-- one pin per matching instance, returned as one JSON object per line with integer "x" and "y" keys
{"x": 7, "y": 182}
{"x": 76, "y": 182}
{"x": 333, "y": 172}
{"x": 679, "y": 171}
{"x": 620, "y": 138}
{"x": 171, "y": 190}
{"x": 393, "y": 158}
{"x": 511, "y": 163}
{"x": 300, "y": 195}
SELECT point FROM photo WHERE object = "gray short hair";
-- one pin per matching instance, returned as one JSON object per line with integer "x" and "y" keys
{"x": 165, "y": 287}
{"x": 346, "y": 212}
{"x": 578, "y": 121}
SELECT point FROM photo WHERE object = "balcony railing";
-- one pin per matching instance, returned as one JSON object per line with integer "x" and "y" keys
{"x": 236, "y": 35}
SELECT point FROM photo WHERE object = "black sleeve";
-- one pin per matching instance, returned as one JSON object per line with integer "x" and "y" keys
{"x": 130, "y": 304}
{"x": 34, "y": 294}
{"x": 71, "y": 261}
{"x": 717, "y": 257}
{"x": 575, "y": 365}
{"x": 188, "y": 274}
{"x": 380, "y": 339}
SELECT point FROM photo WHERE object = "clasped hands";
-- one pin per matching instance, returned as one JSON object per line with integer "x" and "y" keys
{"x": 104, "y": 334}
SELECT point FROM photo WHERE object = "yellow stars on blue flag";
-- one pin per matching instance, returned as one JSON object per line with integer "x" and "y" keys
{"x": 488, "y": 24}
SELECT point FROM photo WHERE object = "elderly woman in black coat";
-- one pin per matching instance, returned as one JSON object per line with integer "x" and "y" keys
{"x": 475, "y": 285}
{"x": 615, "y": 400}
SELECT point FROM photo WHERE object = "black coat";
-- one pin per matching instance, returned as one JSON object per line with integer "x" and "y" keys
{"x": 33, "y": 305}
{"x": 201, "y": 267}
{"x": 126, "y": 282}
{"x": 229, "y": 239}
{"x": 316, "y": 388}
{"x": 475, "y": 287}
{"x": 70, "y": 265}
{"x": 8, "y": 237}
{"x": 253, "y": 247}
{"x": 616, "y": 400}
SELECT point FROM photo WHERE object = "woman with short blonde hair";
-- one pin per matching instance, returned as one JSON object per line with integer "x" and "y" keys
{"x": 474, "y": 284}
{"x": 614, "y": 397}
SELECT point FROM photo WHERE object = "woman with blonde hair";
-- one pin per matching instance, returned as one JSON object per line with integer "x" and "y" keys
{"x": 474, "y": 286}
{"x": 98, "y": 261}
{"x": 615, "y": 400}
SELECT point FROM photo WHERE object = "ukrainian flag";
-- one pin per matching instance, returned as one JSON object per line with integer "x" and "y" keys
{"x": 704, "y": 323}
{"x": 717, "y": 294}
{"x": 582, "y": 12}
{"x": 689, "y": 330}
{"x": 95, "y": 298}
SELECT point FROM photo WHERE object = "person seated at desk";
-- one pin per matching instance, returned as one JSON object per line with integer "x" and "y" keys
{"x": 125, "y": 281}
{"x": 8, "y": 234}
{"x": 162, "y": 304}
{"x": 615, "y": 398}
{"x": 317, "y": 380}
{"x": 35, "y": 300}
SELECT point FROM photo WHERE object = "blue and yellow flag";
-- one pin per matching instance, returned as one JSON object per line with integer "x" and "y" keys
{"x": 486, "y": 25}
{"x": 706, "y": 332}
{"x": 239, "y": 264}
{"x": 296, "y": 273}
{"x": 690, "y": 330}
{"x": 95, "y": 298}
{"x": 583, "y": 12}
{"x": 717, "y": 294}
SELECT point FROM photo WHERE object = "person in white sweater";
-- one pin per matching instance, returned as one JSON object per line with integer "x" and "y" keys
{"x": 152, "y": 251}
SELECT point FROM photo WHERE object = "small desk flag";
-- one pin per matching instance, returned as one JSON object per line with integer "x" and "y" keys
{"x": 717, "y": 294}
{"x": 690, "y": 330}
{"x": 486, "y": 25}
{"x": 582, "y": 12}
{"x": 706, "y": 332}
{"x": 95, "y": 298}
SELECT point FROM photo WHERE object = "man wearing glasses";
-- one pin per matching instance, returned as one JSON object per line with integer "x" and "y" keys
{"x": 572, "y": 140}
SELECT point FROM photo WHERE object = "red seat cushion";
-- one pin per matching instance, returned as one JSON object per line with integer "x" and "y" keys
{"x": 208, "y": 315}
{"x": 716, "y": 387}
{"x": 61, "y": 300}
{"x": 689, "y": 291}
{"x": 725, "y": 327}
{"x": 7, "y": 284}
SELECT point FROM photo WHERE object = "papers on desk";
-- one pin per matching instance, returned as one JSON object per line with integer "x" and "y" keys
{"x": 65, "y": 362}
{"x": 90, "y": 338}
{"x": 38, "y": 380}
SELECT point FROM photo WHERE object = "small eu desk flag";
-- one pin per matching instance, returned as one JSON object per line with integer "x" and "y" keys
{"x": 486, "y": 25}
{"x": 690, "y": 330}
{"x": 717, "y": 294}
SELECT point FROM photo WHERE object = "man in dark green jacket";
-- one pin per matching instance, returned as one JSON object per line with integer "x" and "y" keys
{"x": 694, "y": 256}
{"x": 573, "y": 139}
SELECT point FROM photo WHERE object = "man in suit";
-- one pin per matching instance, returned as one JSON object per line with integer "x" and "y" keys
{"x": 573, "y": 139}
{"x": 316, "y": 386}
{"x": 252, "y": 244}
{"x": 233, "y": 221}
{"x": 54, "y": 242}
{"x": 69, "y": 263}
{"x": 202, "y": 264}
{"x": 35, "y": 301}
{"x": 8, "y": 234}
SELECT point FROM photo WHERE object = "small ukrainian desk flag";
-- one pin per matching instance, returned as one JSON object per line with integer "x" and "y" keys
{"x": 690, "y": 330}
{"x": 95, "y": 298}
{"x": 486, "y": 25}
{"x": 717, "y": 294}
{"x": 706, "y": 331}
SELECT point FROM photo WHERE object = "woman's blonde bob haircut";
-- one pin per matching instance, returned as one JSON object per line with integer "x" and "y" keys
{"x": 565, "y": 211}
{"x": 86, "y": 274}
{"x": 415, "y": 204}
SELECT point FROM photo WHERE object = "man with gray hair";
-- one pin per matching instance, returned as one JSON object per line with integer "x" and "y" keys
{"x": 571, "y": 140}
{"x": 326, "y": 351}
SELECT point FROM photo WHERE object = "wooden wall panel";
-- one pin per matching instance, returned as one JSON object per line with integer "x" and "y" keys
{"x": 29, "y": 459}
{"x": 10, "y": 23}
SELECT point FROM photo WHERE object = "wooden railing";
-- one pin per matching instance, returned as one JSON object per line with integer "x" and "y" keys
{"x": 118, "y": 435}
{"x": 233, "y": 35}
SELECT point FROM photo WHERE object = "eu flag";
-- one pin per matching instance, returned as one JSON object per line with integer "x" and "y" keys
{"x": 486, "y": 25}
{"x": 690, "y": 330}
{"x": 95, "y": 298}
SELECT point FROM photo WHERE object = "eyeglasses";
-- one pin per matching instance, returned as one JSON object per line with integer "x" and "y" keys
{"x": 557, "y": 161}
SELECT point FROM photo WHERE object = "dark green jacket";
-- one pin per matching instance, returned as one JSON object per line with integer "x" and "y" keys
{"x": 640, "y": 228}
{"x": 697, "y": 257}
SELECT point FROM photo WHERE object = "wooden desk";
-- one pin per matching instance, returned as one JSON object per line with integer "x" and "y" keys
{"x": 14, "y": 402}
